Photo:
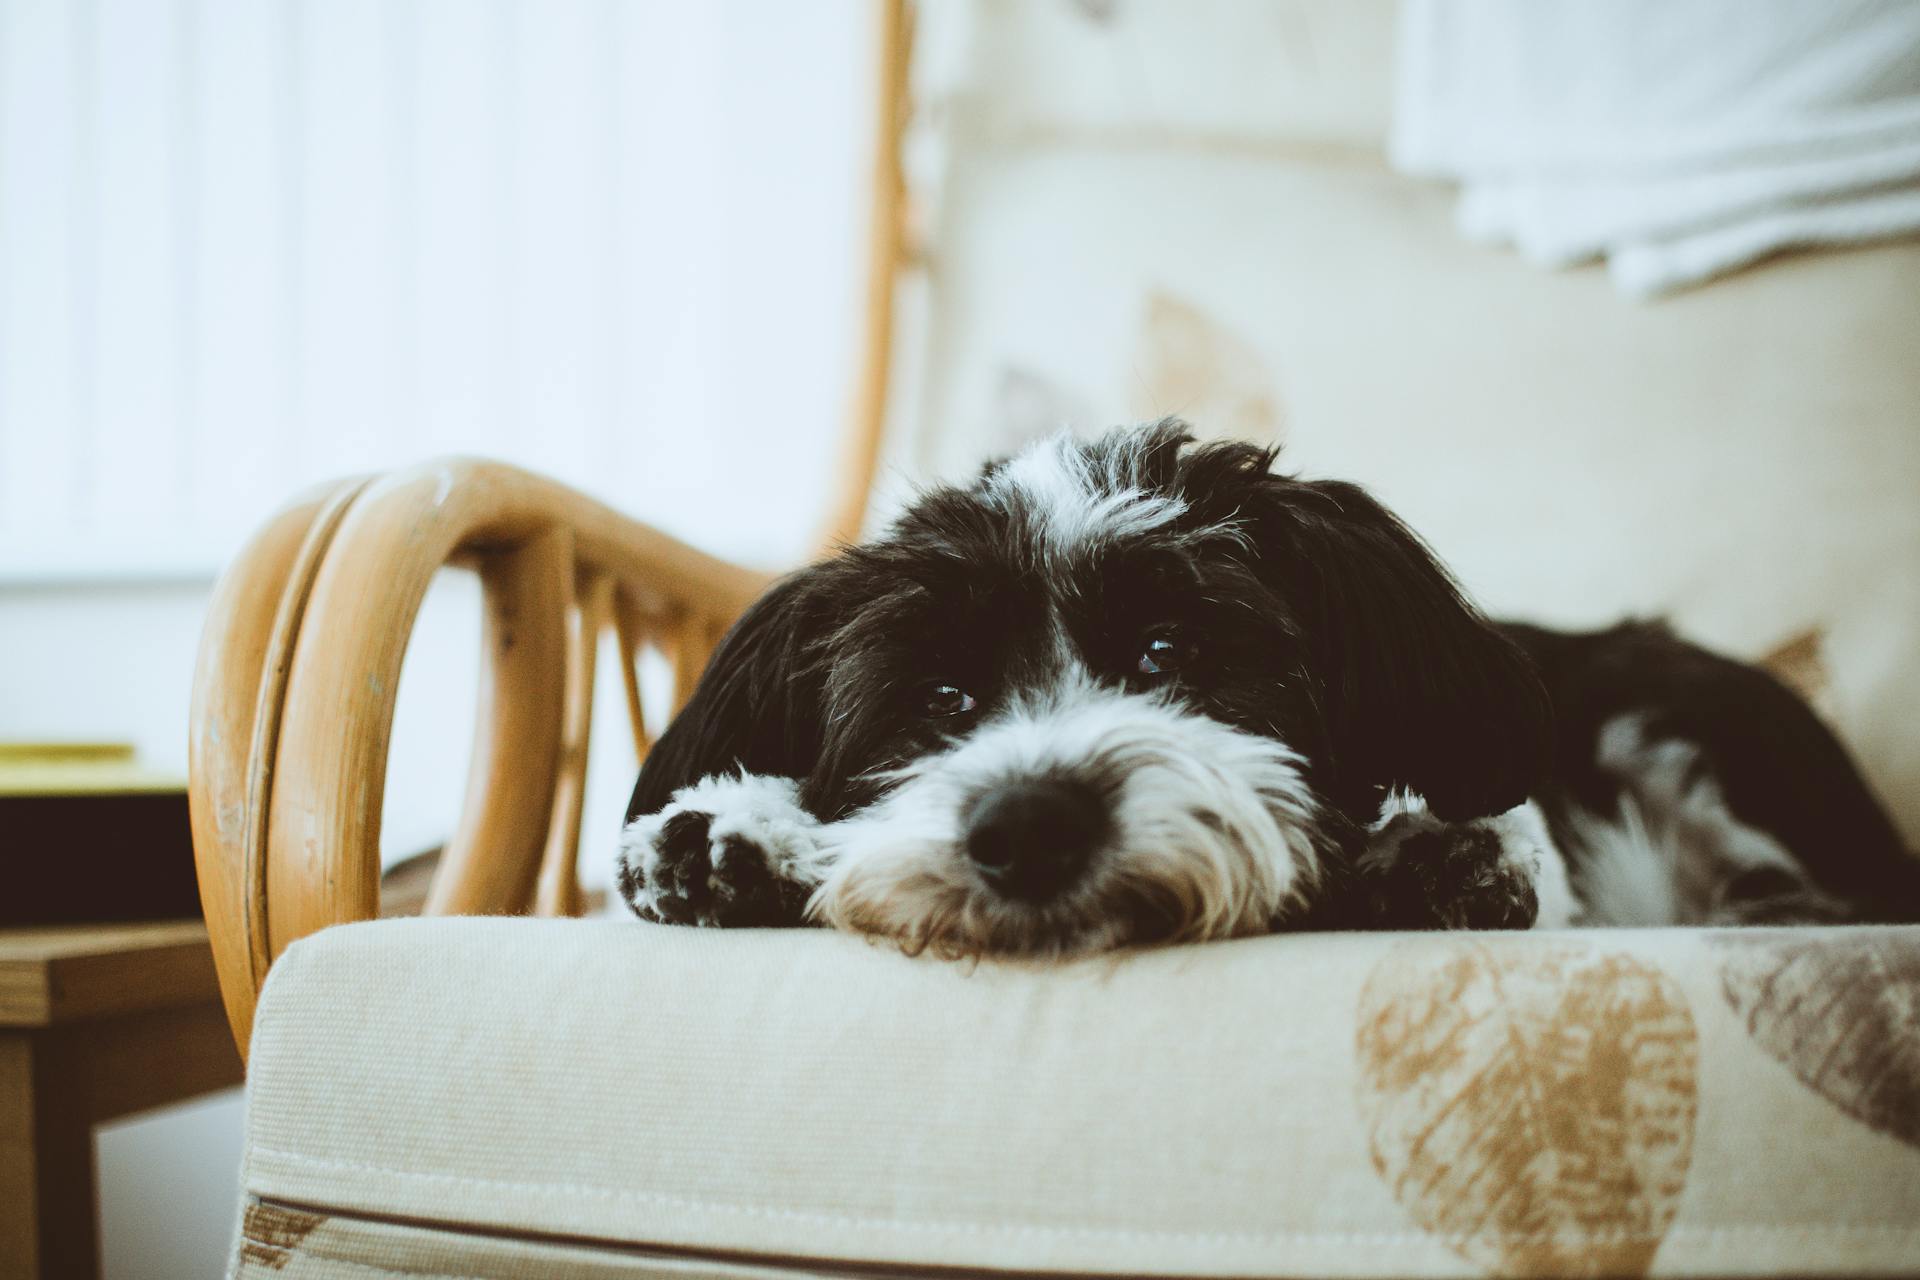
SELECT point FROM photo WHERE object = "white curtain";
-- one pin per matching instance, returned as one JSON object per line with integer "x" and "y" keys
{"x": 249, "y": 244}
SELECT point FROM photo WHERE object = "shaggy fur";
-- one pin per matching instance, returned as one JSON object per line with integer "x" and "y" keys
{"x": 1142, "y": 690}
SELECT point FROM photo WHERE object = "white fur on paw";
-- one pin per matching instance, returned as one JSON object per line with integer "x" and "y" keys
{"x": 745, "y": 815}
{"x": 1525, "y": 844}
{"x": 1525, "y": 839}
{"x": 1402, "y": 814}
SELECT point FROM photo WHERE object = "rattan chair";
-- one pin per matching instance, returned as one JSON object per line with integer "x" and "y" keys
{"x": 514, "y": 1097}
{"x": 300, "y": 664}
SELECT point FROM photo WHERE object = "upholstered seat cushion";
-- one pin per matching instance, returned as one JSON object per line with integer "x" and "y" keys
{"x": 515, "y": 1097}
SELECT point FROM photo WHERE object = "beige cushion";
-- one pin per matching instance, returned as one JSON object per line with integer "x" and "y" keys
{"x": 1680, "y": 1102}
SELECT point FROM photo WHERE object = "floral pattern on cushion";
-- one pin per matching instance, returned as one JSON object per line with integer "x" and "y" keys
{"x": 1535, "y": 1111}
{"x": 1841, "y": 1013}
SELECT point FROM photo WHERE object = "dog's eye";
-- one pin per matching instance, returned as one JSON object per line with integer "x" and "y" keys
{"x": 1163, "y": 655}
{"x": 947, "y": 700}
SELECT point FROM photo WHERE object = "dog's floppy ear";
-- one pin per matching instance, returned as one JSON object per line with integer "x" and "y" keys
{"x": 1418, "y": 690}
{"x": 756, "y": 707}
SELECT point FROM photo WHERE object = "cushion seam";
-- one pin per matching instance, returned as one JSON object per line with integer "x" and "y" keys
{"x": 372, "y": 1268}
{"x": 1043, "y": 1229}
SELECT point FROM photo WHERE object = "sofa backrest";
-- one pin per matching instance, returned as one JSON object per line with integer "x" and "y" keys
{"x": 1190, "y": 212}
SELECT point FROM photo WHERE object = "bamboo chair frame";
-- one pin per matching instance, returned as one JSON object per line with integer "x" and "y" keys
{"x": 299, "y": 662}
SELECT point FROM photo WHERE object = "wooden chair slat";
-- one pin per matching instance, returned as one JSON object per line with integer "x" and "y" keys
{"x": 558, "y": 891}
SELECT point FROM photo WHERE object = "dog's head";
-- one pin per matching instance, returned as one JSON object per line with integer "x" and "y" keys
{"x": 1129, "y": 690}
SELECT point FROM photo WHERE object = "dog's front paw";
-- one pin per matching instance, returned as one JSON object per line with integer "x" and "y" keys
{"x": 1452, "y": 877}
{"x": 730, "y": 852}
{"x": 1492, "y": 873}
{"x": 683, "y": 874}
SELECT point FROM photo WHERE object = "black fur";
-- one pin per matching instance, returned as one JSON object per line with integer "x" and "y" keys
{"x": 1307, "y": 613}
{"x": 1782, "y": 771}
{"x": 757, "y": 706}
{"x": 1450, "y": 879}
{"x": 1335, "y": 630}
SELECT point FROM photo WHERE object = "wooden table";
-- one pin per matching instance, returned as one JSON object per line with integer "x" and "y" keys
{"x": 96, "y": 1022}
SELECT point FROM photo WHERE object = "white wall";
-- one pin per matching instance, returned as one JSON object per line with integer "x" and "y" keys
{"x": 246, "y": 245}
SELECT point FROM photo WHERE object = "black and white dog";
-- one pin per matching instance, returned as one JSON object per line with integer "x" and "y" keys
{"x": 1144, "y": 690}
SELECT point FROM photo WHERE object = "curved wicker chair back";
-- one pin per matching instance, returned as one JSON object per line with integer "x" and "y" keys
{"x": 299, "y": 667}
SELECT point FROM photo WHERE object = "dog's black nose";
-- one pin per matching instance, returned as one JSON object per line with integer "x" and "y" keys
{"x": 1033, "y": 837}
